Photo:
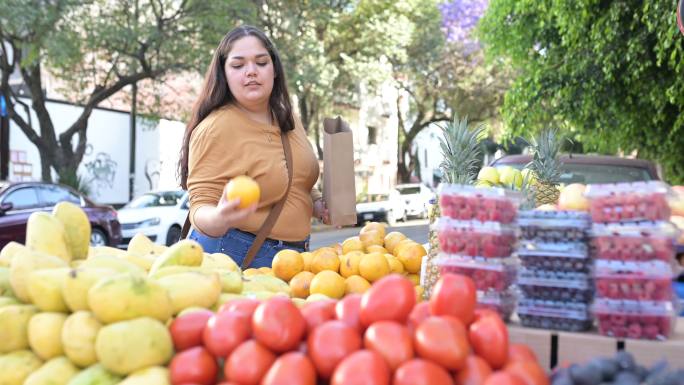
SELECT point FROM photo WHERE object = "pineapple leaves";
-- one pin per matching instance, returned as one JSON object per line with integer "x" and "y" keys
{"x": 460, "y": 147}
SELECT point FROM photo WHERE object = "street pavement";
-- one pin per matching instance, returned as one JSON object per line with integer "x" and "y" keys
{"x": 414, "y": 229}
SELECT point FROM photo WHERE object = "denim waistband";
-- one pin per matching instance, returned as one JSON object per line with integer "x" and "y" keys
{"x": 274, "y": 242}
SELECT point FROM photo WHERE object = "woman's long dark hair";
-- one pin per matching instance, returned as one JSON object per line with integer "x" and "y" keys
{"x": 215, "y": 92}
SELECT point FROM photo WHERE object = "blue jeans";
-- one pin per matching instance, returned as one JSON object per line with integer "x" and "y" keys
{"x": 236, "y": 243}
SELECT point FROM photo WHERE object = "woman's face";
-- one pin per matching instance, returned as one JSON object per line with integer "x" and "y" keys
{"x": 250, "y": 72}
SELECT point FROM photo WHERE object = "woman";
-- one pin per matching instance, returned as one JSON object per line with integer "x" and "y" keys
{"x": 235, "y": 129}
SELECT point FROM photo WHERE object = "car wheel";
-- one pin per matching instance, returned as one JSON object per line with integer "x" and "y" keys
{"x": 98, "y": 238}
{"x": 404, "y": 217}
{"x": 173, "y": 235}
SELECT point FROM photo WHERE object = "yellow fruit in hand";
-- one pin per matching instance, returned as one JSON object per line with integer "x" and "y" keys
{"x": 350, "y": 263}
{"x": 395, "y": 265}
{"x": 374, "y": 266}
{"x": 244, "y": 188}
{"x": 356, "y": 284}
{"x": 328, "y": 283}
{"x": 325, "y": 258}
{"x": 411, "y": 257}
{"x": 392, "y": 240}
{"x": 287, "y": 264}
{"x": 301, "y": 283}
{"x": 307, "y": 257}
{"x": 352, "y": 244}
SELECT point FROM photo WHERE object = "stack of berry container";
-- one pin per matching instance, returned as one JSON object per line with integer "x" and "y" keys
{"x": 477, "y": 237}
{"x": 554, "y": 279}
{"x": 633, "y": 245}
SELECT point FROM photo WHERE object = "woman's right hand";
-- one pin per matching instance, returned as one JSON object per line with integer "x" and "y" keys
{"x": 228, "y": 213}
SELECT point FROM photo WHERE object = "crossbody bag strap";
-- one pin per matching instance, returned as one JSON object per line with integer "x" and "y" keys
{"x": 275, "y": 211}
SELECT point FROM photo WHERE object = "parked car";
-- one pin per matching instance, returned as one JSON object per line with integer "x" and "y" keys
{"x": 592, "y": 169}
{"x": 159, "y": 215}
{"x": 19, "y": 199}
{"x": 417, "y": 198}
{"x": 381, "y": 208}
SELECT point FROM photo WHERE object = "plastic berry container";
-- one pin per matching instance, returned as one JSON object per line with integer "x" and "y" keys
{"x": 553, "y": 226}
{"x": 556, "y": 315}
{"x": 488, "y": 274}
{"x": 502, "y": 303}
{"x": 565, "y": 256}
{"x": 475, "y": 239}
{"x": 635, "y": 319}
{"x": 624, "y": 202}
{"x": 555, "y": 285}
{"x": 640, "y": 241}
{"x": 642, "y": 281}
{"x": 464, "y": 202}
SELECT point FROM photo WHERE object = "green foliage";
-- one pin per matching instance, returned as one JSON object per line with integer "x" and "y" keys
{"x": 611, "y": 72}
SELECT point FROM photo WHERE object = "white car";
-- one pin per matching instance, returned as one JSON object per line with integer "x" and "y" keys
{"x": 417, "y": 198}
{"x": 159, "y": 215}
{"x": 380, "y": 208}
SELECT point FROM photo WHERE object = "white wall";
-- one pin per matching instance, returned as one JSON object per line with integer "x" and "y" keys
{"x": 426, "y": 144}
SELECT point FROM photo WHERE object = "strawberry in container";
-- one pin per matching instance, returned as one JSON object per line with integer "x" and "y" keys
{"x": 561, "y": 256}
{"x": 635, "y": 319}
{"x": 557, "y": 315}
{"x": 624, "y": 202}
{"x": 639, "y": 241}
{"x": 495, "y": 275}
{"x": 555, "y": 285}
{"x": 474, "y": 238}
{"x": 645, "y": 281}
{"x": 476, "y": 203}
{"x": 553, "y": 226}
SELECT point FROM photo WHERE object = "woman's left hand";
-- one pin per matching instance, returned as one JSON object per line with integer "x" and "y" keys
{"x": 320, "y": 211}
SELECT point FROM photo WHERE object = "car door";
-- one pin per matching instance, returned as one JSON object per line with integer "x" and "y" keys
{"x": 24, "y": 202}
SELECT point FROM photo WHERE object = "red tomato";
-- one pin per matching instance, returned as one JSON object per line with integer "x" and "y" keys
{"x": 419, "y": 313}
{"x": 454, "y": 295}
{"x": 243, "y": 305}
{"x": 421, "y": 372}
{"x": 489, "y": 338}
{"x": 520, "y": 352}
{"x": 503, "y": 378}
{"x": 278, "y": 324}
{"x": 194, "y": 365}
{"x": 475, "y": 372}
{"x": 443, "y": 340}
{"x": 293, "y": 368}
{"x": 392, "y": 340}
{"x": 316, "y": 313}
{"x": 330, "y": 343}
{"x": 224, "y": 332}
{"x": 186, "y": 330}
{"x": 363, "y": 367}
{"x": 529, "y": 372}
{"x": 248, "y": 363}
{"x": 484, "y": 312}
{"x": 390, "y": 299}
{"x": 347, "y": 311}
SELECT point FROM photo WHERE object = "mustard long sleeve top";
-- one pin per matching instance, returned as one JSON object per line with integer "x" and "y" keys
{"x": 227, "y": 143}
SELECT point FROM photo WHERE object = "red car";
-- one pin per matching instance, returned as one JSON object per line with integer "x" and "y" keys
{"x": 19, "y": 199}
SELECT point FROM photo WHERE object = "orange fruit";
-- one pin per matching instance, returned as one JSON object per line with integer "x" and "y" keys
{"x": 420, "y": 291}
{"x": 350, "y": 263}
{"x": 392, "y": 239}
{"x": 373, "y": 266}
{"x": 403, "y": 243}
{"x": 244, "y": 188}
{"x": 328, "y": 283}
{"x": 352, "y": 244}
{"x": 374, "y": 226}
{"x": 337, "y": 247}
{"x": 414, "y": 278}
{"x": 251, "y": 271}
{"x": 287, "y": 263}
{"x": 325, "y": 258}
{"x": 307, "y": 257}
{"x": 301, "y": 283}
{"x": 371, "y": 237}
{"x": 356, "y": 284}
{"x": 376, "y": 249}
{"x": 395, "y": 265}
{"x": 411, "y": 257}
{"x": 266, "y": 271}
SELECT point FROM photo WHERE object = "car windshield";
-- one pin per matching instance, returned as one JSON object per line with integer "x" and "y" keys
{"x": 164, "y": 199}
{"x": 598, "y": 173}
{"x": 409, "y": 190}
{"x": 372, "y": 198}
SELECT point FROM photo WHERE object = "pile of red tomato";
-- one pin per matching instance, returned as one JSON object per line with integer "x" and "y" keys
{"x": 381, "y": 337}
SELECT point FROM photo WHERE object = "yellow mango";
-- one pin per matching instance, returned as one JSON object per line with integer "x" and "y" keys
{"x": 5, "y": 285}
{"x": 140, "y": 245}
{"x": 46, "y": 233}
{"x": 156, "y": 375}
{"x": 95, "y": 375}
{"x": 144, "y": 262}
{"x": 127, "y": 296}
{"x": 77, "y": 284}
{"x": 186, "y": 253}
{"x": 231, "y": 281}
{"x": 127, "y": 346}
{"x": 45, "y": 289}
{"x": 27, "y": 261}
{"x": 76, "y": 226}
{"x": 107, "y": 251}
{"x": 57, "y": 371}
{"x": 262, "y": 295}
{"x": 113, "y": 262}
{"x": 267, "y": 283}
{"x": 14, "y": 320}
{"x": 6, "y": 301}
{"x": 225, "y": 298}
{"x": 15, "y": 367}
{"x": 8, "y": 252}
{"x": 78, "y": 338}
{"x": 45, "y": 334}
{"x": 219, "y": 261}
{"x": 171, "y": 270}
{"x": 191, "y": 289}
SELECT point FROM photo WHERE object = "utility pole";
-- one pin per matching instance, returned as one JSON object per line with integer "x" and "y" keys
{"x": 134, "y": 105}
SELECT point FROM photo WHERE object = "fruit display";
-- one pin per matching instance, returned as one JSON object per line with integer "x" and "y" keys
{"x": 489, "y": 275}
{"x": 635, "y": 319}
{"x": 557, "y": 315}
{"x": 555, "y": 285}
{"x": 636, "y": 201}
{"x": 475, "y": 239}
{"x": 466, "y": 203}
{"x": 646, "y": 281}
{"x": 554, "y": 226}
{"x": 560, "y": 256}
{"x": 621, "y": 369}
{"x": 644, "y": 241}
{"x": 501, "y": 302}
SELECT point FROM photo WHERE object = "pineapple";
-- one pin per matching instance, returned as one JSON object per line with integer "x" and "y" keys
{"x": 546, "y": 167}
{"x": 461, "y": 150}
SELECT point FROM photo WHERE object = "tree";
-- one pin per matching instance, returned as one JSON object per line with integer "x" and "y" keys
{"x": 610, "y": 71}
{"x": 101, "y": 47}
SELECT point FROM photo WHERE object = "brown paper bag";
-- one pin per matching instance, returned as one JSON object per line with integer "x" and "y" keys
{"x": 339, "y": 191}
